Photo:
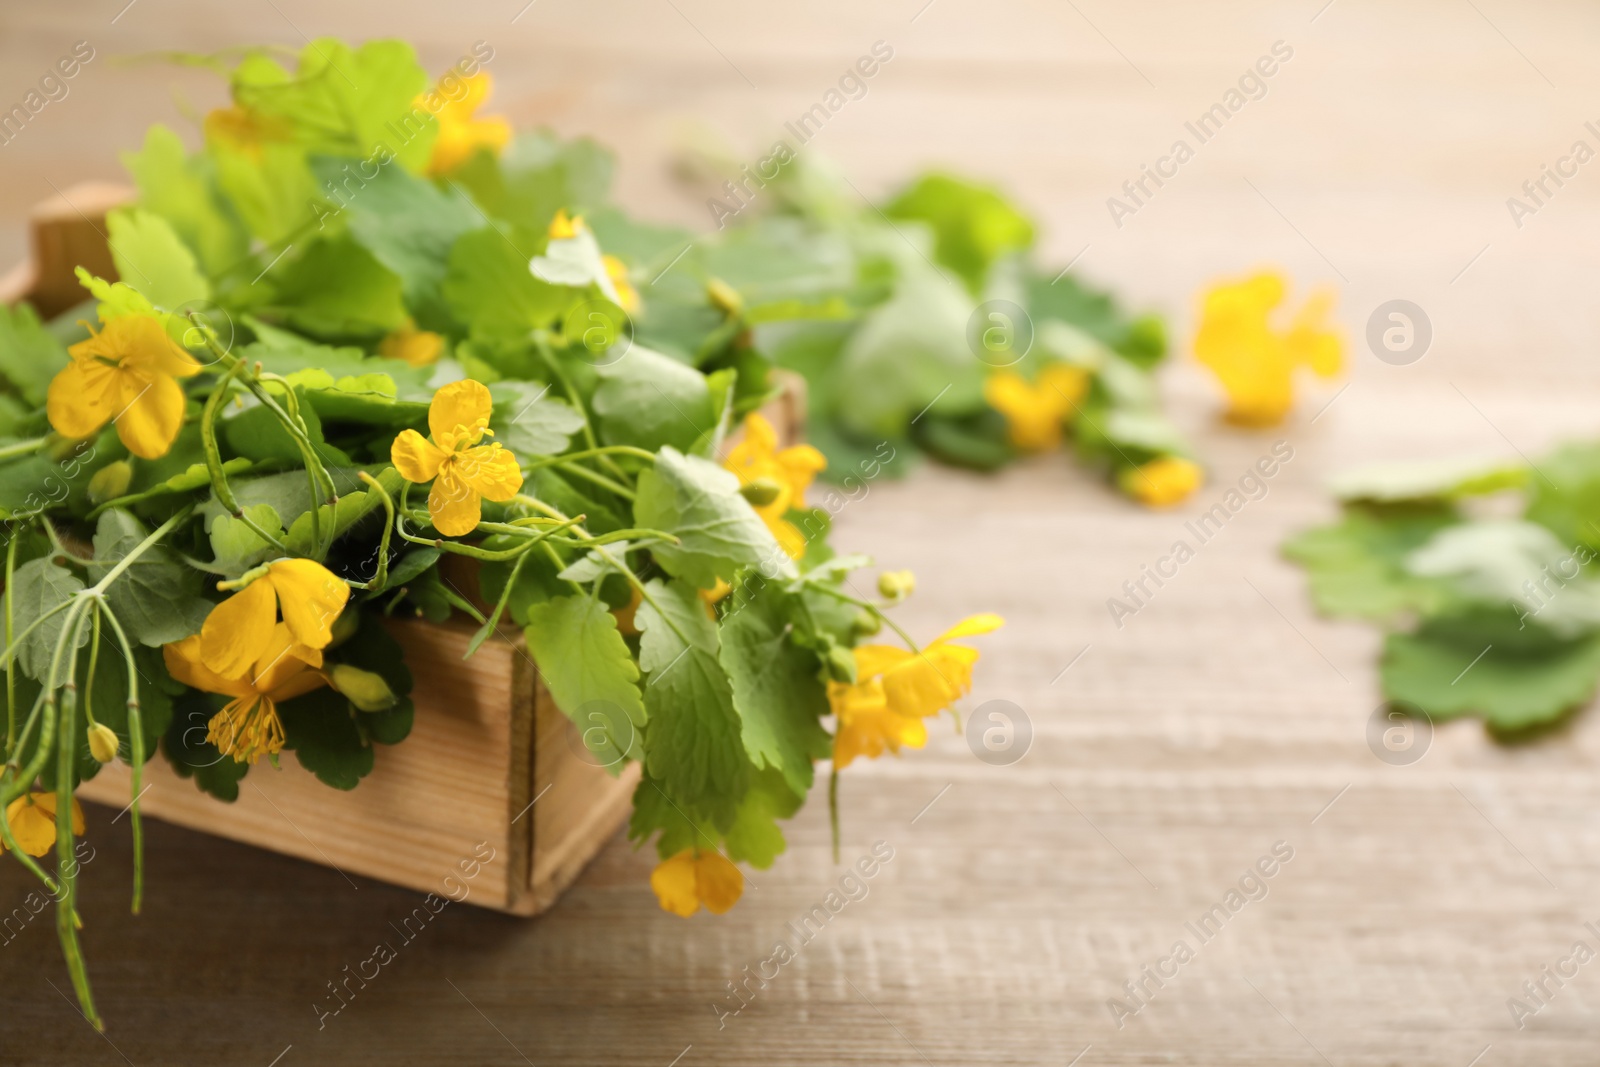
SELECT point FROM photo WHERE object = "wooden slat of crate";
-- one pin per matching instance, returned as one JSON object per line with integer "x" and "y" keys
{"x": 486, "y": 741}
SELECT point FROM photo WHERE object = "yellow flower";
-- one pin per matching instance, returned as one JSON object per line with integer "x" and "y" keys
{"x": 461, "y": 134}
{"x": 248, "y": 727}
{"x": 127, "y": 373}
{"x": 1162, "y": 482}
{"x": 693, "y": 878}
{"x": 1035, "y": 412}
{"x": 564, "y": 227}
{"x": 461, "y": 474}
{"x": 237, "y": 632}
{"x": 627, "y": 295}
{"x": 897, "y": 688}
{"x": 32, "y": 818}
{"x": 1255, "y": 362}
{"x": 245, "y": 130}
{"x": 410, "y": 345}
{"x": 757, "y": 458}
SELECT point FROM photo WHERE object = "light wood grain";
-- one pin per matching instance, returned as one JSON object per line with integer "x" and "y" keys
{"x": 1173, "y": 753}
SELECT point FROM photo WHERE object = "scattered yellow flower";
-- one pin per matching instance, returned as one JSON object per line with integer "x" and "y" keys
{"x": 1255, "y": 362}
{"x": 896, "y": 688}
{"x": 248, "y": 727}
{"x": 461, "y": 133}
{"x": 462, "y": 471}
{"x": 693, "y": 878}
{"x": 1036, "y": 411}
{"x": 758, "y": 459}
{"x": 32, "y": 818}
{"x": 1162, "y": 482}
{"x": 238, "y": 631}
{"x": 419, "y": 348}
{"x": 127, "y": 373}
{"x": 564, "y": 227}
{"x": 627, "y": 295}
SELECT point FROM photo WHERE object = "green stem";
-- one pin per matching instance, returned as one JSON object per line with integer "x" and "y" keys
{"x": 549, "y": 357}
{"x": 66, "y": 862}
{"x": 24, "y": 448}
{"x": 213, "y": 454}
{"x": 868, "y": 606}
{"x": 601, "y": 480}
{"x": 620, "y": 450}
{"x": 380, "y": 577}
{"x": 136, "y": 750}
{"x": 11, "y": 681}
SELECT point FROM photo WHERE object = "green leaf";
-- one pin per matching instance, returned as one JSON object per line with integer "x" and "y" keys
{"x": 1357, "y": 565}
{"x": 973, "y": 224}
{"x": 649, "y": 400}
{"x": 591, "y": 674}
{"x": 409, "y": 225}
{"x": 530, "y": 422}
{"x": 776, "y": 688}
{"x": 350, "y": 509}
{"x": 157, "y": 599}
{"x": 1427, "y": 480}
{"x": 29, "y": 355}
{"x": 149, "y": 253}
{"x": 321, "y": 729}
{"x": 909, "y": 355}
{"x": 754, "y": 837}
{"x": 182, "y": 190}
{"x": 489, "y": 287}
{"x": 270, "y": 186}
{"x": 235, "y": 546}
{"x": 654, "y": 810}
{"x": 718, "y": 532}
{"x": 1566, "y": 494}
{"x": 536, "y": 176}
{"x": 347, "y": 101}
{"x": 1510, "y": 562}
{"x": 39, "y": 586}
{"x": 1514, "y": 679}
{"x": 693, "y": 746}
{"x": 337, "y": 289}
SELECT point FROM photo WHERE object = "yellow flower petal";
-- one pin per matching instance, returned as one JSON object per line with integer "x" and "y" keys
{"x": 459, "y": 413}
{"x": 971, "y": 626}
{"x": 453, "y": 505}
{"x": 419, "y": 348}
{"x": 1163, "y": 482}
{"x": 143, "y": 344}
{"x": 151, "y": 414}
{"x": 238, "y": 630}
{"x": 415, "y": 457}
{"x": 673, "y": 881}
{"x": 873, "y": 660}
{"x": 32, "y": 818}
{"x": 184, "y": 663}
{"x": 564, "y": 227}
{"x": 717, "y": 882}
{"x": 491, "y": 471}
{"x": 931, "y": 681}
{"x": 82, "y": 397}
{"x": 461, "y": 135}
{"x": 310, "y": 597}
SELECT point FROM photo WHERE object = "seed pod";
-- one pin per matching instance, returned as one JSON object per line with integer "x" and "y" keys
{"x": 366, "y": 690}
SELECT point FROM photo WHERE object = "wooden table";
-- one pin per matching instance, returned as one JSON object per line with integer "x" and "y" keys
{"x": 1175, "y": 751}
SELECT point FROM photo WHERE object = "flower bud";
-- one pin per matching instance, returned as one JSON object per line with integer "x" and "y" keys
{"x": 724, "y": 297}
{"x": 761, "y": 492}
{"x": 896, "y": 585}
{"x": 366, "y": 690}
{"x": 110, "y": 481}
{"x": 867, "y": 624}
{"x": 840, "y": 663}
{"x": 103, "y": 743}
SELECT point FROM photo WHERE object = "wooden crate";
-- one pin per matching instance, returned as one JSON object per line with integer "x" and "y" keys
{"x": 490, "y": 759}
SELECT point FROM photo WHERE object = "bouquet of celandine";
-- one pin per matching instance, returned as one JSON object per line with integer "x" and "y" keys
{"x": 363, "y": 332}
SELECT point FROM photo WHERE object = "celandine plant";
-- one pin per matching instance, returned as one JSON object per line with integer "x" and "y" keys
{"x": 359, "y": 333}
